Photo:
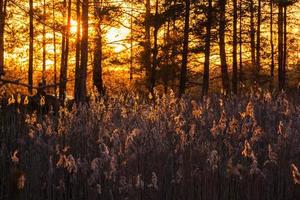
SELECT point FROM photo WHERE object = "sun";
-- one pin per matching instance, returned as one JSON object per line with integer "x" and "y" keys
{"x": 115, "y": 37}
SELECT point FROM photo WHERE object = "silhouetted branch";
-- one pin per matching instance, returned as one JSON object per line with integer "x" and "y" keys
{"x": 17, "y": 82}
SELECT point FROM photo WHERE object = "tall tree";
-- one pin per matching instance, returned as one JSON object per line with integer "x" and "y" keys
{"x": 234, "y": 51}
{"x": 97, "y": 65}
{"x": 222, "y": 46}
{"x": 241, "y": 41}
{"x": 284, "y": 57}
{"x": 65, "y": 50}
{"x": 103, "y": 13}
{"x": 272, "y": 42}
{"x": 3, "y": 4}
{"x": 30, "y": 67}
{"x": 68, "y": 28}
{"x": 209, "y": 16}
{"x": 282, "y": 40}
{"x": 78, "y": 50}
{"x": 131, "y": 42}
{"x": 156, "y": 24}
{"x": 252, "y": 34}
{"x": 84, "y": 52}
{"x": 185, "y": 51}
{"x": 147, "y": 43}
{"x": 258, "y": 31}
{"x": 44, "y": 44}
{"x": 54, "y": 50}
{"x": 280, "y": 47}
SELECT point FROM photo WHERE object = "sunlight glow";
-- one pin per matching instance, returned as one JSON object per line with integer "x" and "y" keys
{"x": 73, "y": 28}
{"x": 115, "y": 37}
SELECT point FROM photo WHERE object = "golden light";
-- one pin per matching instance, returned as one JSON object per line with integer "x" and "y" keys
{"x": 73, "y": 28}
{"x": 49, "y": 64}
{"x": 116, "y": 36}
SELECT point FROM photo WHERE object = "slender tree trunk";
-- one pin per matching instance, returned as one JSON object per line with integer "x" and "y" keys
{"x": 2, "y": 22}
{"x": 68, "y": 35}
{"x": 155, "y": 50}
{"x": 205, "y": 86}
{"x": 234, "y": 52}
{"x": 272, "y": 43}
{"x": 78, "y": 49}
{"x": 284, "y": 62}
{"x": 63, "y": 75}
{"x": 252, "y": 34}
{"x": 241, "y": 43}
{"x": 166, "y": 76}
{"x": 64, "y": 68}
{"x": 183, "y": 72}
{"x": 173, "y": 55}
{"x": 54, "y": 49}
{"x": 258, "y": 37}
{"x": 30, "y": 67}
{"x": 131, "y": 43}
{"x": 97, "y": 67}
{"x": 3, "y": 4}
{"x": 222, "y": 46}
{"x": 147, "y": 46}
{"x": 44, "y": 44}
{"x": 84, "y": 51}
{"x": 280, "y": 48}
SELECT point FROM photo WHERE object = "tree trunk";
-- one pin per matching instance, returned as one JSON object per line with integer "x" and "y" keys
{"x": 167, "y": 73}
{"x": 280, "y": 48}
{"x": 63, "y": 70}
{"x": 272, "y": 43}
{"x": 131, "y": 43}
{"x": 205, "y": 86}
{"x": 97, "y": 67}
{"x": 3, "y": 4}
{"x": 30, "y": 67}
{"x": 241, "y": 43}
{"x": 78, "y": 49}
{"x": 173, "y": 55}
{"x": 44, "y": 44}
{"x": 222, "y": 26}
{"x": 258, "y": 38}
{"x": 54, "y": 49}
{"x": 84, "y": 52}
{"x": 284, "y": 62}
{"x": 155, "y": 51}
{"x": 252, "y": 34}
{"x": 234, "y": 51}
{"x": 147, "y": 46}
{"x": 183, "y": 72}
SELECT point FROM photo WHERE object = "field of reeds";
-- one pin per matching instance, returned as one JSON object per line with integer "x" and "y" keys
{"x": 153, "y": 147}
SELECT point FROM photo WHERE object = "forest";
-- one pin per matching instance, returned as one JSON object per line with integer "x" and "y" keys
{"x": 150, "y": 99}
{"x": 197, "y": 47}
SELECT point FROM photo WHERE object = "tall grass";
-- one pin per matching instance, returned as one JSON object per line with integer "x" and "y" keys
{"x": 156, "y": 147}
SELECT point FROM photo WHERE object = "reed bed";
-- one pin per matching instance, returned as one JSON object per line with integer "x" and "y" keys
{"x": 154, "y": 147}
